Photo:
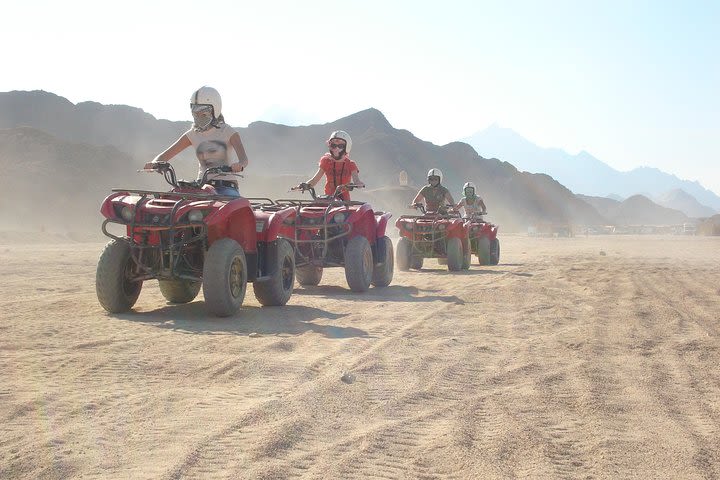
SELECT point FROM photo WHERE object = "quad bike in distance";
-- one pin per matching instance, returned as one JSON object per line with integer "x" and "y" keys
{"x": 483, "y": 239}
{"x": 188, "y": 238}
{"x": 327, "y": 231}
{"x": 434, "y": 234}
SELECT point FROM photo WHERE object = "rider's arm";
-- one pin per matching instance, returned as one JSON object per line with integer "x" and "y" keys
{"x": 180, "y": 144}
{"x": 314, "y": 180}
{"x": 482, "y": 205}
{"x": 460, "y": 204}
{"x": 240, "y": 151}
{"x": 356, "y": 179}
{"x": 418, "y": 198}
{"x": 449, "y": 198}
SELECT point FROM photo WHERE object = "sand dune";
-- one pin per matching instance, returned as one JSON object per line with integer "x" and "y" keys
{"x": 573, "y": 358}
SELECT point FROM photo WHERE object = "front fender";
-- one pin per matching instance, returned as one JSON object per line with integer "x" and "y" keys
{"x": 233, "y": 220}
{"x": 277, "y": 227}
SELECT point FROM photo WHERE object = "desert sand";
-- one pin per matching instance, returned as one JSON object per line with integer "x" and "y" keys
{"x": 587, "y": 357}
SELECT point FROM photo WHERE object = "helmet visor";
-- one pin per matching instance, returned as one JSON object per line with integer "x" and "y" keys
{"x": 202, "y": 114}
{"x": 469, "y": 191}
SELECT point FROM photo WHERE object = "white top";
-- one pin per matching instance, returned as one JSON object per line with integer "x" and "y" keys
{"x": 471, "y": 208}
{"x": 213, "y": 149}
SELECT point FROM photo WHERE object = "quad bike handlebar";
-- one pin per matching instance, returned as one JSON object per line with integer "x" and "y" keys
{"x": 168, "y": 172}
{"x": 306, "y": 187}
{"x": 443, "y": 210}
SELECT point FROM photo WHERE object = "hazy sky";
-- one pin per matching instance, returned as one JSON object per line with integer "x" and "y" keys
{"x": 632, "y": 82}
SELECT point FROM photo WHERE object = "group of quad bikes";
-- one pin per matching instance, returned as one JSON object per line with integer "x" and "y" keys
{"x": 191, "y": 237}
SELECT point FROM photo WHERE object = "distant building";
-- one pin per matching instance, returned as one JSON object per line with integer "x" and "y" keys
{"x": 403, "y": 178}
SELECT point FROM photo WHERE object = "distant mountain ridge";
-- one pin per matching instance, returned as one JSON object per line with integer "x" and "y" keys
{"x": 635, "y": 210}
{"x": 78, "y": 152}
{"x": 583, "y": 173}
{"x": 515, "y": 199}
{"x": 679, "y": 199}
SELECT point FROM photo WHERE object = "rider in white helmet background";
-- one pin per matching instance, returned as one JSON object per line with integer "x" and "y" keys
{"x": 337, "y": 166}
{"x": 435, "y": 195}
{"x": 215, "y": 142}
{"x": 471, "y": 203}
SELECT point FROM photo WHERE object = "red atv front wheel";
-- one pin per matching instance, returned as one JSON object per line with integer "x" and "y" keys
{"x": 224, "y": 277}
{"x": 115, "y": 290}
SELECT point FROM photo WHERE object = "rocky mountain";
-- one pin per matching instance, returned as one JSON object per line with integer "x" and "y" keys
{"x": 87, "y": 131}
{"x": 129, "y": 129}
{"x": 48, "y": 182}
{"x": 678, "y": 199}
{"x": 635, "y": 210}
{"x": 583, "y": 173}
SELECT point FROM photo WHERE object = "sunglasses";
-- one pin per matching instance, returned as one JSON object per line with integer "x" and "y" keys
{"x": 337, "y": 145}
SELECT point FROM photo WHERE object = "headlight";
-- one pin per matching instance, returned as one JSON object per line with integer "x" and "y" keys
{"x": 441, "y": 226}
{"x": 259, "y": 226}
{"x": 474, "y": 229}
{"x": 339, "y": 217}
{"x": 195, "y": 215}
{"x": 127, "y": 213}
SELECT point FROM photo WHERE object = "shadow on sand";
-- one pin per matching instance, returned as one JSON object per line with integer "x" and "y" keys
{"x": 392, "y": 293}
{"x": 476, "y": 269}
{"x": 287, "y": 320}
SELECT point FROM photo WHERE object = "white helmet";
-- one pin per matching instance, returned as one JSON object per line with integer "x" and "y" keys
{"x": 342, "y": 135}
{"x": 435, "y": 172}
{"x": 207, "y": 96}
{"x": 469, "y": 185}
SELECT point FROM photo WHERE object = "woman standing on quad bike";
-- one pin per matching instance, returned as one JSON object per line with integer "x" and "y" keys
{"x": 434, "y": 194}
{"x": 471, "y": 203}
{"x": 212, "y": 138}
{"x": 336, "y": 166}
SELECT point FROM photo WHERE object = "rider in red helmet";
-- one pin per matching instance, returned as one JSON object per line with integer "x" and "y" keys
{"x": 337, "y": 166}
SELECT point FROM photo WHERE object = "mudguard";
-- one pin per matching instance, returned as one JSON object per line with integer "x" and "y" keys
{"x": 233, "y": 220}
{"x": 382, "y": 223}
{"x": 277, "y": 226}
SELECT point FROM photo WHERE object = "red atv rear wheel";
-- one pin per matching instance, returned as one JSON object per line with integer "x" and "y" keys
{"x": 403, "y": 254}
{"x": 308, "y": 275}
{"x": 179, "y": 291}
{"x": 494, "y": 252}
{"x": 483, "y": 251}
{"x": 383, "y": 272}
{"x": 277, "y": 289}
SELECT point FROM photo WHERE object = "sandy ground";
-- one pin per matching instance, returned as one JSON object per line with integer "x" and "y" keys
{"x": 574, "y": 358}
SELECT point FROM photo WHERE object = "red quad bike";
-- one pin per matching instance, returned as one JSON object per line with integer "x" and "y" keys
{"x": 483, "y": 239}
{"x": 328, "y": 231}
{"x": 188, "y": 238}
{"x": 438, "y": 235}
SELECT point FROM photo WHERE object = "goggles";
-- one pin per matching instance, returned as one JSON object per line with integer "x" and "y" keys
{"x": 202, "y": 114}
